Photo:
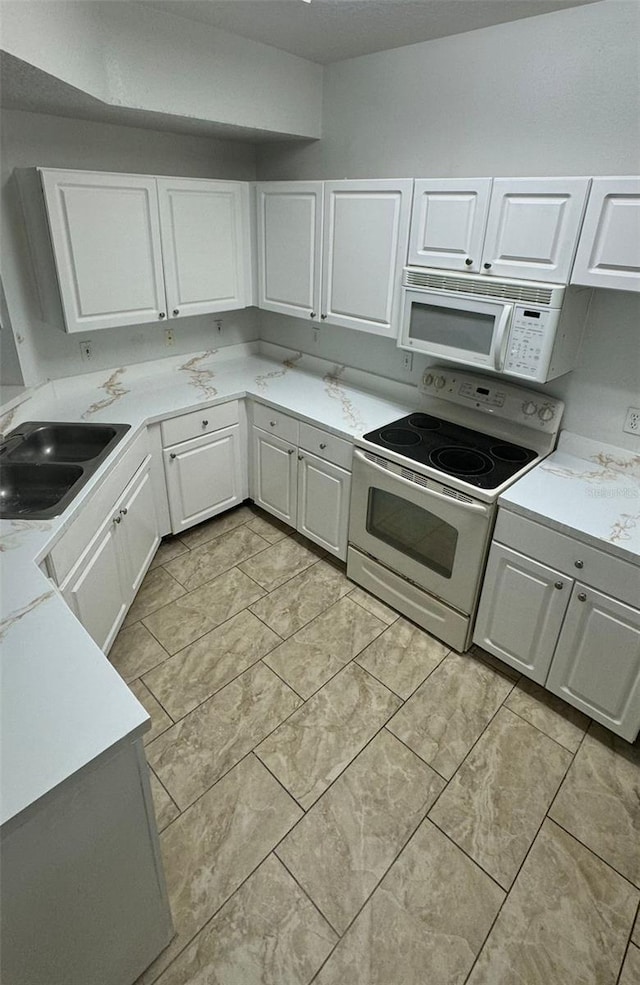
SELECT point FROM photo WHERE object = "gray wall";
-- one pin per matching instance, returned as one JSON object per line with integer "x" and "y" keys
{"x": 557, "y": 94}
{"x": 30, "y": 140}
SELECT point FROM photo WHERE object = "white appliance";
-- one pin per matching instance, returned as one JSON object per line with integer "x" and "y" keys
{"x": 425, "y": 490}
{"x": 525, "y": 329}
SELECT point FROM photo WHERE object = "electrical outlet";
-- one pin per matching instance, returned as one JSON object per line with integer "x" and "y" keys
{"x": 632, "y": 421}
{"x": 168, "y": 336}
{"x": 86, "y": 351}
{"x": 407, "y": 361}
{"x": 218, "y": 323}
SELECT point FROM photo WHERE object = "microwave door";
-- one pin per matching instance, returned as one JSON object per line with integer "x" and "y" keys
{"x": 464, "y": 330}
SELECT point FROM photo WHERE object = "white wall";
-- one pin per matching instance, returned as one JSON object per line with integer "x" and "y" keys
{"x": 557, "y": 94}
{"x": 132, "y": 55}
{"x": 30, "y": 140}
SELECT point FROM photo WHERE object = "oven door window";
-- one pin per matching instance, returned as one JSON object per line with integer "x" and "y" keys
{"x": 413, "y": 530}
{"x": 453, "y": 328}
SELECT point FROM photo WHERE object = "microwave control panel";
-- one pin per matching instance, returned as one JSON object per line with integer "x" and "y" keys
{"x": 530, "y": 342}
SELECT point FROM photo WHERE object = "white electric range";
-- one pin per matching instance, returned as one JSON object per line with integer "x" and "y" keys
{"x": 425, "y": 490}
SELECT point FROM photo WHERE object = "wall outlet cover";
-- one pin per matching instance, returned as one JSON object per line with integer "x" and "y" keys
{"x": 632, "y": 421}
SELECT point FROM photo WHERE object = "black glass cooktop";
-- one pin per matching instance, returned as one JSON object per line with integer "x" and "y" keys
{"x": 470, "y": 455}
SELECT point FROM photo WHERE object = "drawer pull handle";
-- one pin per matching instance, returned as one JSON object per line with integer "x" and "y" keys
{"x": 579, "y": 564}
{"x": 559, "y": 584}
{"x": 323, "y": 445}
{"x": 582, "y": 596}
{"x": 205, "y": 424}
{"x": 173, "y": 455}
{"x": 117, "y": 519}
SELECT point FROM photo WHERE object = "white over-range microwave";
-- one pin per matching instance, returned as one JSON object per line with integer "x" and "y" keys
{"x": 526, "y": 329}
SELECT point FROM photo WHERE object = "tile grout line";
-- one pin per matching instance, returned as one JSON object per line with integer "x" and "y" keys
{"x": 604, "y": 861}
{"x": 572, "y": 752}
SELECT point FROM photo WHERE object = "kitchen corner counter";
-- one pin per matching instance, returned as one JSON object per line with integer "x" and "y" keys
{"x": 588, "y": 490}
{"x": 62, "y": 703}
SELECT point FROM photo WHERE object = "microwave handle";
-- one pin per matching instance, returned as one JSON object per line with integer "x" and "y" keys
{"x": 502, "y": 336}
{"x": 467, "y": 507}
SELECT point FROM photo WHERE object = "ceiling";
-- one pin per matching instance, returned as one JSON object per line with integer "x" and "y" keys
{"x": 327, "y": 31}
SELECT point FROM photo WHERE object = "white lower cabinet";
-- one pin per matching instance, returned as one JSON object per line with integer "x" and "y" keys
{"x": 302, "y": 475}
{"x": 102, "y": 584}
{"x": 205, "y": 464}
{"x": 568, "y": 635}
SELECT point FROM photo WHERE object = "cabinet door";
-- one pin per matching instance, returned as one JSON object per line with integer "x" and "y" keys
{"x": 596, "y": 666}
{"x": 274, "y": 475}
{"x": 521, "y": 610}
{"x": 106, "y": 242}
{"x": 533, "y": 226}
{"x": 609, "y": 247}
{"x": 290, "y": 247}
{"x": 448, "y": 220}
{"x": 366, "y": 230}
{"x": 323, "y": 503}
{"x": 93, "y": 589}
{"x": 204, "y": 477}
{"x": 137, "y": 534}
{"x": 205, "y": 245}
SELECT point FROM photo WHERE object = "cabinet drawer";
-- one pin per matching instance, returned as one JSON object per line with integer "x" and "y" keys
{"x": 326, "y": 445}
{"x": 66, "y": 552}
{"x": 593, "y": 567}
{"x": 275, "y": 422}
{"x": 198, "y": 422}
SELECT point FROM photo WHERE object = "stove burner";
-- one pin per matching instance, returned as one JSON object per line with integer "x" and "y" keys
{"x": 461, "y": 461}
{"x": 399, "y": 436}
{"x": 509, "y": 453}
{"x": 424, "y": 422}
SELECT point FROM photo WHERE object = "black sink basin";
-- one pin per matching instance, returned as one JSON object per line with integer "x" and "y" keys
{"x": 62, "y": 443}
{"x": 44, "y": 465}
{"x": 27, "y": 489}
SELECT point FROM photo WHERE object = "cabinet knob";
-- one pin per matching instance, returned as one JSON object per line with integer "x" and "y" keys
{"x": 172, "y": 455}
{"x": 468, "y": 261}
{"x": 161, "y": 314}
{"x": 323, "y": 444}
{"x": 205, "y": 424}
{"x": 290, "y": 451}
{"x": 176, "y": 311}
{"x": 582, "y": 596}
{"x": 312, "y": 315}
{"x": 272, "y": 424}
{"x": 124, "y": 511}
{"x": 559, "y": 584}
{"x": 487, "y": 266}
{"x": 579, "y": 564}
{"x": 323, "y": 317}
{"x": 117, "y": 519}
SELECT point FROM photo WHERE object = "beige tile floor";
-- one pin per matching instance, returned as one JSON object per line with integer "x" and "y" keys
{"x": 343, "y": 800}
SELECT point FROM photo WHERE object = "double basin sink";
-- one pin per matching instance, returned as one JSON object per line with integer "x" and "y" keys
{"x": 43, "y": 465}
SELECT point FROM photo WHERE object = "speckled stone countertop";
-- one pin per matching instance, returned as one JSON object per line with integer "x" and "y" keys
{"x": 588, "y": 490}
{"x": 62, "y": 703}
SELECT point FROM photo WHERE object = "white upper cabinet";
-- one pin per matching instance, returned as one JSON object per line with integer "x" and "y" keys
{"x": 448, "y": 222}
{"x": 131, "y": 249}
{"x": 533, "y": 226}
{"x": 609, "y": 247}
{"x": 289, "y": 223}
{"x": 205, "y": 245}
{"x": 106, "y": 242}
{"x": 366, "y": 228}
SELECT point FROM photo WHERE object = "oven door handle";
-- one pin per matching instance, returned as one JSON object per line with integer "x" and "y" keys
{"x": 450, "y": 500}
{"x": 501, "y": 337}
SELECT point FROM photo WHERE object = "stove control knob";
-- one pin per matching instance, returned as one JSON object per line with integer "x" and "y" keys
{"x": 529, "y": 408}
{"x": 428, "y": 379}
{"x": 546, "y": 413}
{"x": 440, "y": 382}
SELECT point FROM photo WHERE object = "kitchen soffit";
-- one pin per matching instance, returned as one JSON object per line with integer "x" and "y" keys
{"x": 328, "y": 31}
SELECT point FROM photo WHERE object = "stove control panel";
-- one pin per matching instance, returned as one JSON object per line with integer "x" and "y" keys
{"x": 505, "y": 400}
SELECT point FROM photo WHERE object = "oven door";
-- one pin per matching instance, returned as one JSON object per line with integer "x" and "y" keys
{"x": 434, "y": 540}
{"x": 463, "y": 330}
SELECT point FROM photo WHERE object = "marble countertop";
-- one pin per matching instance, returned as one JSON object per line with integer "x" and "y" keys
{"x": 62, "y": 703}
{"x": 586, "y": 489}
